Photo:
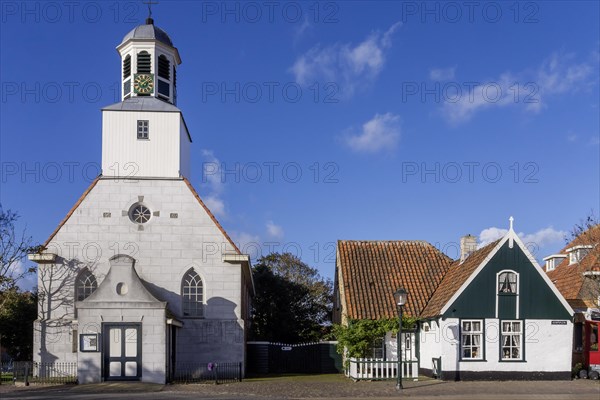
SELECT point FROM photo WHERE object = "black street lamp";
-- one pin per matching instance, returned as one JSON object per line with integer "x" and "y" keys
{"x": 400, "y": 297}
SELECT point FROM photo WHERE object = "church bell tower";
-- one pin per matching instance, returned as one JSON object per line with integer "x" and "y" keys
{"x": 145, "y": 135}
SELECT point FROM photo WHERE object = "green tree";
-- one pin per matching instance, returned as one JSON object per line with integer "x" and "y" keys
{"x": 18, "y": 311}
{"x": 293, "y": 302}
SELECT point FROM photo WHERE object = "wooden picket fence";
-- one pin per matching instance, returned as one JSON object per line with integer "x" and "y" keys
{"x": 379, "y": 369}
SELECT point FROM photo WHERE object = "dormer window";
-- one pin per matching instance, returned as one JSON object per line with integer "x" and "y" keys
{"x": 143, "y": 129}
{"x": 507, "y": 282}
{"x": 554, "y": 261}
{"x": 578, "y": 253}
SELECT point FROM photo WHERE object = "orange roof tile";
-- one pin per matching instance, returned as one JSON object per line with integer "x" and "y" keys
{"x": 372, "y": 271}
{"x": 569, "y": 279}
{"x": 457, "y": 275}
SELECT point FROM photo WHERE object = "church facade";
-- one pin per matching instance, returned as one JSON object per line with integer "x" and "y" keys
{"x": 140, "y": 277}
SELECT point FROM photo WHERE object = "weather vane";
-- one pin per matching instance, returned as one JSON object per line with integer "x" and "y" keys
{"x": 150, "y": 3}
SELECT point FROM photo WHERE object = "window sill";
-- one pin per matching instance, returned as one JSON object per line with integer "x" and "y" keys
{"x": 512, "y": 361}
{"x": 473, "y": 360}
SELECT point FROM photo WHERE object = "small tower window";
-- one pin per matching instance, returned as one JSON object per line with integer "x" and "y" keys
{"x": 86, "y": 285}
{"x": 164, "y": 67}
{"x": 143, "y": 128}
{"x": 192, "y": 294}
{"x": 143, "y": 63}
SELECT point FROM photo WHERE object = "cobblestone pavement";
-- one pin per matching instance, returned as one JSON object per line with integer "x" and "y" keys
{"x": 314, "y": 387}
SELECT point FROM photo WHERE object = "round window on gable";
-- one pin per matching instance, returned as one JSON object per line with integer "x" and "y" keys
{"x": 139, "y": 213}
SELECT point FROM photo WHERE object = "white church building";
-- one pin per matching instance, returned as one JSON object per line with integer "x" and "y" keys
{"x": 140, "y": 277}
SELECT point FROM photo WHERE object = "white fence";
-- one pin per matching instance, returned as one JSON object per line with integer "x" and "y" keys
{"x": 378, "y": 369}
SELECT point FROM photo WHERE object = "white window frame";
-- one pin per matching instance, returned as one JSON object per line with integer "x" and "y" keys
{"x": 510, "y": 346}
{"x": 472, "y": 334}
{"x": 192, "y": 294}
{"x": 518, "y": 289}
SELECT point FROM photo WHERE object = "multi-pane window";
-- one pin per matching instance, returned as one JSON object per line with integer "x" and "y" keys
{"x": 512, "y": 340}
{"x": 143, "y": 129}
{"x": 507, "y": 282}
{"x": 85, "y": 285}
{"x": 471, "y": 336}
{"x": 192, "y": 295}
{"x": 377, "y": 349}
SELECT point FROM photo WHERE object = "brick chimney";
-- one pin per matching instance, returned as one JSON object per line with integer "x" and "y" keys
{"x": 468, "y": 244}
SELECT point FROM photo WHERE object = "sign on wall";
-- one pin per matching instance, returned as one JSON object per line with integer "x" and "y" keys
{"x": 88, "y": 342}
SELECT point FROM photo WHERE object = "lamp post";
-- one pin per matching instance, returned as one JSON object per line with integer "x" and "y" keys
{"x": 400, "y": 296}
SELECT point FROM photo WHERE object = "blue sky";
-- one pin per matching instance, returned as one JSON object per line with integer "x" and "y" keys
{"x": 406, "y": 120}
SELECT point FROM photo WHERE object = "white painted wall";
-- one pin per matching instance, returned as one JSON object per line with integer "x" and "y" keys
{"x": 164, "y": 251}
{"x": 547, "y": 348}
{"x": 123, "y": 154}
{"x": 184, "y": 151}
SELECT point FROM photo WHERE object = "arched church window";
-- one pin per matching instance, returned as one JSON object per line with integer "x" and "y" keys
{"x": 127, "y": 67}
{"x": 507, "y": 282}
{"x": 192, "y": 294}
{"x": 85, "y": 285}
{"x": 143, "y": 63}
{"x": 164, "y": 67}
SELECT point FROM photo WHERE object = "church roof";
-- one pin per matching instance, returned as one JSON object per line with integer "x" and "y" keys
{"x": 142, "y": 103}
{"x": 148, "y": 31}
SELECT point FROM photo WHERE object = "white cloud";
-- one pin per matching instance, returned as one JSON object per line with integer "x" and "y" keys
{"x": 442, "y": 74}
{"x": 380, "y": 133}
{"x": 274, "y": 231}
{"x": 349, "y": 66}
{"x": 211, "y": 176}
{"x": 215, "y": 204}
{"x": 248, "y": 244}
{"x": 541, "y": 238}
{"x": 556, "y": 75}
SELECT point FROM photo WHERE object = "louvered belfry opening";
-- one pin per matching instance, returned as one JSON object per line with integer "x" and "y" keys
{"x": 127, "y": 76}
{"x": 144, "y": 64}
{"x": 127, "y": 67}
{"x": 164, "y": 67}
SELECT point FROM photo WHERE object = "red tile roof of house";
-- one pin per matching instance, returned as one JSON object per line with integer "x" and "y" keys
{"x": 569, "y": 279}
{"x": 371, "y": 272}
{"x": 457, "y": 275}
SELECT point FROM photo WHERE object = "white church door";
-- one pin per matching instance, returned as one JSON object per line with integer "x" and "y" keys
{"x": 122, "y": 351}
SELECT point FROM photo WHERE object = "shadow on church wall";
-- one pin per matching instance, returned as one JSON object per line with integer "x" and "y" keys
{"x": 56, "y": 293}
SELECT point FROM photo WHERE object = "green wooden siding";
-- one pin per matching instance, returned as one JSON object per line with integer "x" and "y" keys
{"x": 536, "y": 299}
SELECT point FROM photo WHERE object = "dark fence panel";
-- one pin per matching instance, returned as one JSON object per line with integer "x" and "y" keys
{"x": 281, "y": 358}
{"x": 44, "y": 373}
{"x": 207, "y": 373}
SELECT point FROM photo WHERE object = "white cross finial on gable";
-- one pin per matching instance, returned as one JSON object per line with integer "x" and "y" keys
{"x": 511, "y": 232}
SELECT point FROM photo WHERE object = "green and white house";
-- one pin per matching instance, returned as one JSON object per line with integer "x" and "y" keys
{"x": 493, "y": 314}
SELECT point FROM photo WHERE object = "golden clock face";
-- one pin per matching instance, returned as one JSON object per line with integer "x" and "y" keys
{"x": 143, "y": 83}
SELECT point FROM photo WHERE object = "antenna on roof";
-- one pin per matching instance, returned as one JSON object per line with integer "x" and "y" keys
{"x": 149, "y": 20}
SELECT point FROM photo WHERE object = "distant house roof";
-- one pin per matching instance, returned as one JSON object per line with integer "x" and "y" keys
{"x": 372, "y": 270}
{"x": 457, "y": 275}
{"x": 569, "y": 279}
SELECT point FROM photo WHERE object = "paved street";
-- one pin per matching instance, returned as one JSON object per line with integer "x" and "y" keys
{"x": 314, "y": 387}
